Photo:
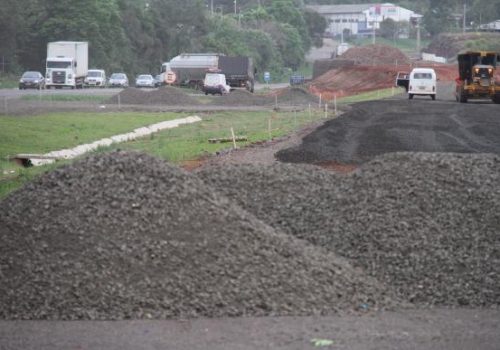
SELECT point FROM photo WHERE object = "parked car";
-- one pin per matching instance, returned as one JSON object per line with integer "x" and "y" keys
{"x": 145, "y": 80}
{"x": 158, "y": 80}
{"x": 118, "y": 80}
{"x": 96, "y": 77}
{"x": 32, "y": 79}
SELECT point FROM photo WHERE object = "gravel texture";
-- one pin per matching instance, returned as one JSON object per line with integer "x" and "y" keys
{"x": 425, "y": 225}
{"x": 128, "y": 236}
{"x": 165, "y": 95}
{"x": 375, "y": 54}
{"x": 421, "y": 125}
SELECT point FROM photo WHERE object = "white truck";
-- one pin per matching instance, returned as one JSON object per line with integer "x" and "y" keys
{"x": 67, "y": 64}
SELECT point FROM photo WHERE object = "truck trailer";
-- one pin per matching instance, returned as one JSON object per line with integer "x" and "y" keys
{"x": 67, "y": 64}
{"x": 189, "y": 69}
{"x": 477, "y": 76}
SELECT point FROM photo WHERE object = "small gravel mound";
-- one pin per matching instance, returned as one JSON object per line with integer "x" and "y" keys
{"x": 296, "y": 96}
{"x": 426, "y": 225}
{"x": 125, "y": 235}
{"x": 165, "y": 95}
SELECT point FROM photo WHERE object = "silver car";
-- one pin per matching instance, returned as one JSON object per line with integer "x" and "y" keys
{"x": 145, "y": 80}
{"x": 118, "y": 80}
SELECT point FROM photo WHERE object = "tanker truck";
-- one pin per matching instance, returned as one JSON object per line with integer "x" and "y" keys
{"x": 189, "y": 69}
{"x": 67, "y": 64}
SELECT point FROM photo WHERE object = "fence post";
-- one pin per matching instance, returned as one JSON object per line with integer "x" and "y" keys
{"x": 319, "y": 101}
{"x": 5, "y": 105}
{"x": 234, "y": 138}
{"x": 335, "y": 104}
{"x": 269, "y": 128}
{"x": 326, "y": 110}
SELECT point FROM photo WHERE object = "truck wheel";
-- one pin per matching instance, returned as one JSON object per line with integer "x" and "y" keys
{"x": 410, "y": 96}
{"x": 496, "y": 99}
{"x": 433, "y": 97}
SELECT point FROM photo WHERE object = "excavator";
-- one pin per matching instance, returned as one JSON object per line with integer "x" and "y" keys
{"x": 477, "y": 76}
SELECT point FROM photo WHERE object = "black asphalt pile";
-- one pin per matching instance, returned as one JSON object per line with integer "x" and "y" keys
{"x": 379, "y": 127}
{"x": 127, "y": 236}
{"x": 425, "y": 225}
{"x": 165, "y": 95}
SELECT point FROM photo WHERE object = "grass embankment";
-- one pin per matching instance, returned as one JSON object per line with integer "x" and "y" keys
{"x": 65, "y": 97}
{"x": 42, "y": 134}
{"x": 8, "y": 81}
{"x": 405, "y": 45}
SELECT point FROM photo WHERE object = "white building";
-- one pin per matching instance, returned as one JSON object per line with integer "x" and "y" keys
{"x": 493, "y": 26}
{"x": 360, "y": 19}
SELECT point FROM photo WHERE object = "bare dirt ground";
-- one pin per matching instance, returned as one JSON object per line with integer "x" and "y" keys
{"x": 426, "y": 330}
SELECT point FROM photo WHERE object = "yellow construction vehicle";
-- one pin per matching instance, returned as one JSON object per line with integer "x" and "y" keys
{"x": 477, "y": 76}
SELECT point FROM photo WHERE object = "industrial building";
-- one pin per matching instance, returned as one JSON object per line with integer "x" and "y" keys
{"x": 360, "y": 19}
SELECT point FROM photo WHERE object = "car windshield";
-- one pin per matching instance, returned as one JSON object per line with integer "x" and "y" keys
{"x": 118, "y": 76}
{"x": 58, "y": 64}
{"x": 31, "y": 75}
{"x": 145, "y": 77}
{"x": 94, "y": 74}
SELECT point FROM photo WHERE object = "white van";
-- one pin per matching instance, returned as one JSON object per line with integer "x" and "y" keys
{"x": 215, "y": 83}
{"x": 422, "y": 82}
{"x": 96, "y": 77}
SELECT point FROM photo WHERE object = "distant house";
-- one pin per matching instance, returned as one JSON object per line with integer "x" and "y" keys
{"x": 360, "y": 19}
{"x": 491, "y": 27}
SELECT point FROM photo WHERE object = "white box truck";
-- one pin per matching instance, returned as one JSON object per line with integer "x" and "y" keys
{"x": 67, "y": 64}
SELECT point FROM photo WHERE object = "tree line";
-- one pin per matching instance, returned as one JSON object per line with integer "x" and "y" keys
{"x": 136, "y": 36}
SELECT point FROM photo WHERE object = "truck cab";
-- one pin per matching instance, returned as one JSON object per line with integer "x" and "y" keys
{"x": 66, "y": 64}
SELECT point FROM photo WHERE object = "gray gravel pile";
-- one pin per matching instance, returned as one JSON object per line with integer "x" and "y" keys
{"x": 378, "y": 127}
{"x": 165, "y": 95}
{"x": 124, "y": 235}
{"x": 426, "y": 225}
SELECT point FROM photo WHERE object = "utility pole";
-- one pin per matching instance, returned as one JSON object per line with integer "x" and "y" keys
{"x": 465, "y": 10}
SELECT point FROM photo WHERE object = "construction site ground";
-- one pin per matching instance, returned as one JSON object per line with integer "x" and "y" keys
{"x": 411, "y": 126}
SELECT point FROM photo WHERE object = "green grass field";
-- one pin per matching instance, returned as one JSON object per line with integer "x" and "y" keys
{"x": 8, "y": 81}
{"x": 66, "y": 97}
{"x": 45, "y": 133}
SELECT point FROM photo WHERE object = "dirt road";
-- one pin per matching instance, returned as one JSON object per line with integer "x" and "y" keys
{"x": 416, "y": 330}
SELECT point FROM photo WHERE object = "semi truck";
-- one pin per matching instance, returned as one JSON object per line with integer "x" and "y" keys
{"x": 67, "y": 64}
{"x": 189, "y": 69}
{"x": 477, "y": 76}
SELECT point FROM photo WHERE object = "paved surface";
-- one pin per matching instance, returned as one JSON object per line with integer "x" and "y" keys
{"x": 415, "y": 330}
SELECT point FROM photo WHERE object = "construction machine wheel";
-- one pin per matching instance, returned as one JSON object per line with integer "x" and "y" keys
{"x": 463, "y": 96}
{"x": 433, "y": 97}
{"x": 496, "y": 99}
{"x": 410, "y": 96}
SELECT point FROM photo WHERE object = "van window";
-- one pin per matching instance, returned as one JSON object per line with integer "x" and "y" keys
{"x": 422, "y": 76}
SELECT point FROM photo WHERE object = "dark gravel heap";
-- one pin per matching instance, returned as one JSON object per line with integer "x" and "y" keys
{"x": 426, "y": 225}
{"x": 124, "y": 235}
{"x": 165, "y": 95}
{"x": 378, "y": 127}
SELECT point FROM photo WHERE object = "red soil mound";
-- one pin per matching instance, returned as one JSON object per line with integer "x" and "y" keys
{"x": 376, "y": 55}
{"x": 356, "y": 79}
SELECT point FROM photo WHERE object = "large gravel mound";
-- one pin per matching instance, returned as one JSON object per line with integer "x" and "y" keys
{"x": 427, "y": 225}
{"x": 165, "y": 95}
{"x": 124, "y": 235}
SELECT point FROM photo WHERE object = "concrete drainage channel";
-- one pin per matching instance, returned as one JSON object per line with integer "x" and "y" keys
{"x": 51, "y": 157}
